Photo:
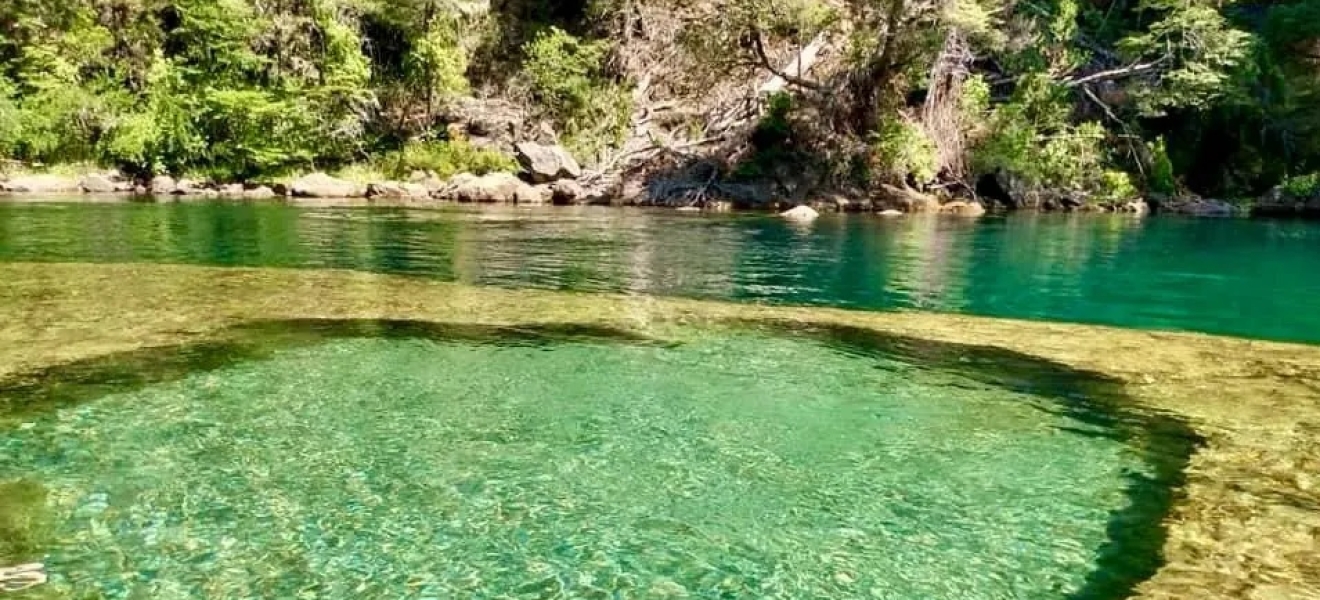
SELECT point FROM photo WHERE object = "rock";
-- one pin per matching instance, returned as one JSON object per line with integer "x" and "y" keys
{"x": 321, "y": 185}
{"x": 395, "y": 190}
{"x": 418, "y": 176}
{"x": 547, "y": 163}
{"x": 1280, "y": 202}
{"x": 41, "y": 184}
{"x": 1136, "y": 207}
{"x": 891, "y": 213}
{"x": 97, "y": 183}
{"x": 531, "y": 195}
{"x": 188, "y": 187}
{"x": 907, "y": 199}
{"x": 233, "y": 190}
{"x": 1199, "y": 207}
{"x": 963, "y": 209}
{"x": 495, "y": 187}
{"x": 280, "y": 189}
{"x": 259, "y": 193}
{"x": 162, "y": 185}
{"x": 140, "y": 190}
{"x": 800, "y": 213}
{"x": 567, "y": 191}
{"x": 689, "y": 209}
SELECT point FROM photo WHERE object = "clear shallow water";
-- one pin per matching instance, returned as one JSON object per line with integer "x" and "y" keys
{"x": 1237, "y": 277}
{"x": 479, "y": 464}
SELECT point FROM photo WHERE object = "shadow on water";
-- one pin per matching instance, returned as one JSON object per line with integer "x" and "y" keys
{"x": 1136, "y": 533}
{"x": 39, "y": 391}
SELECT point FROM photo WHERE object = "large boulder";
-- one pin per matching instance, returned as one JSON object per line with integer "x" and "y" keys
{"x": 259, "y": 193}
{"x": 41, "y": 184}
{"x": 528, "y": 194}
{"x": 321, "y": 185}
{"x": 162, "y": 185}
{"x": 963, "y": 209}
{"x": 233, "y": 190}
{"x": 906, "y": 199}
{"x": 800, "y": 213}
{"x": 395, "y": 190}
{"x": 547, "y": 163}
{"x": 189, "y": 187}
{"x": 1199, "y": 207}
{"x": 495, "y": 187}
{"x": 1281, "y": 202}
{"x": 567, "y": 191}
{"x": 97, "y": 183}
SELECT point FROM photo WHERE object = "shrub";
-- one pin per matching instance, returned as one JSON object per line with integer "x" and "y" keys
{"x": 448, "y": 158}
{"x": 568, "y": 76}
{"x": 900, "y": 151}
{"x": 1161, "y": 178}
{"x": 1303, "y": 186}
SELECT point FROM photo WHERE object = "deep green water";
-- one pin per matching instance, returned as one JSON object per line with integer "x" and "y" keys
{"x": 1245, "y": 278}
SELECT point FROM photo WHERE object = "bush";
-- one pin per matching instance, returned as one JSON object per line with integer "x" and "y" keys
{"x": 1161, "y": 178}
{"x": 568, "y": 76}
{"x": 900, "y": 151}
{"x": 447, "y": 158}
{"x": 1303, "y": 186}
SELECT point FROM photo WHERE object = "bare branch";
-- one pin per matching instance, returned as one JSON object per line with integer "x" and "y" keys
{"x": 764, "y": 62}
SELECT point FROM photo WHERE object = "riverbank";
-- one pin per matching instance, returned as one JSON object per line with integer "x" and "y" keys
{"x": 1242, "y": 525}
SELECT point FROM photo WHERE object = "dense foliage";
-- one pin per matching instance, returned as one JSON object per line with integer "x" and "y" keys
{"x": 1117, "y": 97}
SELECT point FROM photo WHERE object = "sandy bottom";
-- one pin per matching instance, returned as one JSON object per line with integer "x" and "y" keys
{"x": 1245, "y": 523}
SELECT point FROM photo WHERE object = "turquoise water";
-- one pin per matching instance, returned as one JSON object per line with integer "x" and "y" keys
{"x": 1238, "y": 277}
{"x": 315, "y": 460}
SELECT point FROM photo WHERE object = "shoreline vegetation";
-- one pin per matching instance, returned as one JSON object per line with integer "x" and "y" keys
{"x": 858, "y": 105}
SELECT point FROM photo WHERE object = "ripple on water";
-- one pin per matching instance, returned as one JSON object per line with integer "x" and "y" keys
{"x": 741, "y": 466}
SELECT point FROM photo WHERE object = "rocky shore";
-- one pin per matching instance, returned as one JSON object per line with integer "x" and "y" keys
{"x": 551, "y": 175}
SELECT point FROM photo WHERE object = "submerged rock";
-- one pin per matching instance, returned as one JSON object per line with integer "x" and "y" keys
{"x": 321, "y": 185}
{"x": 547, "y": 163}
{"x": 890, "y": 213}
{"x": 41, "y": 184}
{"x": 800, "y": 213}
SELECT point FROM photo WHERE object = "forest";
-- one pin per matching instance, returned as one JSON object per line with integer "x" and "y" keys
{"x": 1034, "y": 101}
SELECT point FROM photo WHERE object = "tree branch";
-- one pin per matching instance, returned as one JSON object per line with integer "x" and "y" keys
{"x": 764, "y": 62}
{"x": 1112, "y": 74}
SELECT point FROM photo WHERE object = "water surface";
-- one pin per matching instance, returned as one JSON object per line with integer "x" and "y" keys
{"x": 1245, "y": 278}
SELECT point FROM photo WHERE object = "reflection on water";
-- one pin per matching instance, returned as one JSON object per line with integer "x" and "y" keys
{"x": 1247, "y": 278}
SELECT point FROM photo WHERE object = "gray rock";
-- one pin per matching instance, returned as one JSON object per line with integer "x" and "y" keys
{"x": 163, "y": 185}
{"x": 567, "y": 191}
{"x": 532, "y": 195}
{"x": 800, "y": 213}
{"x": 233, "y": 190}
{"x": 41, "y": 184}
{"x": 321, "y": 185}
{"x": 890, "y": 213}
{"x": 495, "y": 187}
{"x": 547, "y": 163}
{"x": 963, "y": 209}
{"x": 96, "y": 183}
{"x": 395, "y": 190}
{"x": 259, "y": 193}
{"x": 908, "y": 200}
{"x": 188, "y": 187}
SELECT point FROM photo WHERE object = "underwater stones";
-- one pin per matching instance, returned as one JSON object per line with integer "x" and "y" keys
{"x": 800, "y": 213}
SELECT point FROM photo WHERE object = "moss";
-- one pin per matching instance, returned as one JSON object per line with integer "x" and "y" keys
{"x": 25, "y": 521}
